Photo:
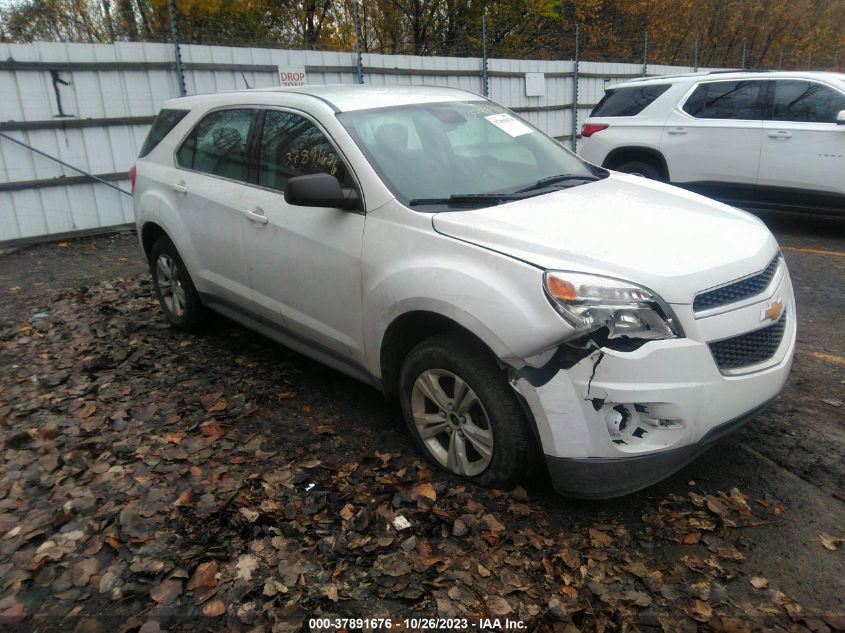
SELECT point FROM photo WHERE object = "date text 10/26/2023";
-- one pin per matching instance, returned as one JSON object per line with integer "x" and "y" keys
{"x": 417, "y": 624}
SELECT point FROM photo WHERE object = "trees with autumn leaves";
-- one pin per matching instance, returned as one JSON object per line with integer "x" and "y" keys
{"x": 800, "y": 32}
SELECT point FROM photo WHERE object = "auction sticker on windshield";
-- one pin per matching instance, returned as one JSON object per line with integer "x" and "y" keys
{"x": 508, "y": 124}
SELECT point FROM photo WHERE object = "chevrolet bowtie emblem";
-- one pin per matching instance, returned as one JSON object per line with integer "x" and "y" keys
{"x": 772, "y": 311}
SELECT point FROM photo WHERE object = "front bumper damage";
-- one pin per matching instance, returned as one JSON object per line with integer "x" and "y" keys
{"x": 606, "y": 478}
{"x": 612, "y": 422}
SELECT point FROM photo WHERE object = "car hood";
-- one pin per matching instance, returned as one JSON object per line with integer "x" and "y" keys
{"x": 674, "y": 242}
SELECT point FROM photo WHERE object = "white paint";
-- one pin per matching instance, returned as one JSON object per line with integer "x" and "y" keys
{"x": 483, "y": 269}
{"x": 751, "y": 152}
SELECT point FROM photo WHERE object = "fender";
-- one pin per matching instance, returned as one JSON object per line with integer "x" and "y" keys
{"x": 488, "y": 305}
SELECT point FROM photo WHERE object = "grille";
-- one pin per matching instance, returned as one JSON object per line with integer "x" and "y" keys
{"x": 738, "y": 290}
{"x": 750, "y": 348}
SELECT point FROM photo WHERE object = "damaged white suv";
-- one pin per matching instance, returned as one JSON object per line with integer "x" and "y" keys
{"x": 520, "y": 302}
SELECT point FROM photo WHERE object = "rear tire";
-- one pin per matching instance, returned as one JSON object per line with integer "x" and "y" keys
{"x": 642, "y": 168}
{"x": 174, "y": 288}
{"x": 463, "y": 414}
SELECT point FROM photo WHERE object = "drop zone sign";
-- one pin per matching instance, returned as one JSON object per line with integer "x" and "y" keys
{"x": 290, "y": 76}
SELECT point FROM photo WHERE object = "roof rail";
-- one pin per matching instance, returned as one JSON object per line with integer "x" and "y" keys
{"x": 696, "y": 73}
{"x": 658, "y": 77}
{"x": 740, "y": 70}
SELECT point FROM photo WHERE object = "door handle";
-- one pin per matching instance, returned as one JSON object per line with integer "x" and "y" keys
{"x": 256, "y": 216}
{"x": 179, "y": 187}
{"x": 677, "y": 130}
{"x": 780, "y": 134}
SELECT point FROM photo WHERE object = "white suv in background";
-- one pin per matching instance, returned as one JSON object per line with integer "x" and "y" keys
{"x": 519, "y": 302}
{"x": 761, "y": 138}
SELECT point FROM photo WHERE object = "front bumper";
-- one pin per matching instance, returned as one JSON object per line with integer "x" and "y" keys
{"x": 605, "y": 478}
{"x": 616, "y": 422}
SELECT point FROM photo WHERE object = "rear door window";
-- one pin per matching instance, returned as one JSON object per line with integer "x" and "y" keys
{"x": 805, "y": 102}
{"x": 726, "y": 100}
{"x": 628, "y": 101}
{"x": 218, "y": 144}
{"x": 164, "y": 122}
{"x": 292, "y": 145}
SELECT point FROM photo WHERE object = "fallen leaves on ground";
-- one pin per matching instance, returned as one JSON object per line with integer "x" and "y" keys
{"x": 161, "y": 476}
{"x": 759, "y": 582}
{"x": 831, "y": 542}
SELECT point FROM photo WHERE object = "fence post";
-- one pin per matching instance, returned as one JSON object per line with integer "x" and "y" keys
{"x": 575, "y": 79}
{"x": 359, "y": 62}
{"x": 645, "y": 55}
{"x": 485, "y": 87}
{"x": 809, "y": 60}
{"x": 744, "y": 48}
{"x": 780, "y": 59}
{"x": 180, "y": 71}
{"x": 695, "y": 57}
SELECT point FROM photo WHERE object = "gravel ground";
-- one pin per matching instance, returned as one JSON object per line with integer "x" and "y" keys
{"x": 144, "y": 476}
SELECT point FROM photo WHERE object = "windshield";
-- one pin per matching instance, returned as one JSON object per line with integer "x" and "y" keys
{"x": 462, "y": 153}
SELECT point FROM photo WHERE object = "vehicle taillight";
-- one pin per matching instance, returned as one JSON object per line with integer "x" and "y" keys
{"x": 588, "y": 129}
{"x": 132, "y": 173}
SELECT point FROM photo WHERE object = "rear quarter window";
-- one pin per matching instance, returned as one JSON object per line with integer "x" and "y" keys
{"x": 165, "y": 121}
{"x": 628, "y": 101}
{"x": 805, "y": 102}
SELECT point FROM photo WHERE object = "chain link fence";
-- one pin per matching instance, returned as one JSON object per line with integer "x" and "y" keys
{"x": 76, "y": 113}
{"x": 493, "y": 36}
{"x": 772, "y": 36}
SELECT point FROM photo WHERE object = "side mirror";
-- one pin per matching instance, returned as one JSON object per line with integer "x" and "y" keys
{"x": 321, "y": 190}
{"x": 840, "y": 118}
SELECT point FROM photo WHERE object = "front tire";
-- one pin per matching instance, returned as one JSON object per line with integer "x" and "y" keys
{"x": 174, "y": 288}
{"x": 462, "y": 413}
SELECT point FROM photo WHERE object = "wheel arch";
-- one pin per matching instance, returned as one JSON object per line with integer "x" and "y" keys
{"x": 150, "y": 232}
{"x": 412, "y": 328}
{"x": 154, "y": 228}
{"x": 621, "y": 155}
{"x": 408, "y": 330}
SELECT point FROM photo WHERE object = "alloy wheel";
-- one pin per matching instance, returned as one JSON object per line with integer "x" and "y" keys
{"x": 169, "y": 279}
{"x": 452, "y": 422}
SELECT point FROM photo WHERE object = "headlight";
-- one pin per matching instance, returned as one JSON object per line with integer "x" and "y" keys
{"x": 590, "y": 302}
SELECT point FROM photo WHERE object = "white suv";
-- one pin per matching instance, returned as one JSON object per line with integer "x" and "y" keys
{"x": 518, "y": 301}
{"x": 762, "y": 138}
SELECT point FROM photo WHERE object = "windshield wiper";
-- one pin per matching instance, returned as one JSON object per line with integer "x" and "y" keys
{"x": 467, "y": 198}
{"x": 503, "y": 196}
{"x": 560, "y": 178}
